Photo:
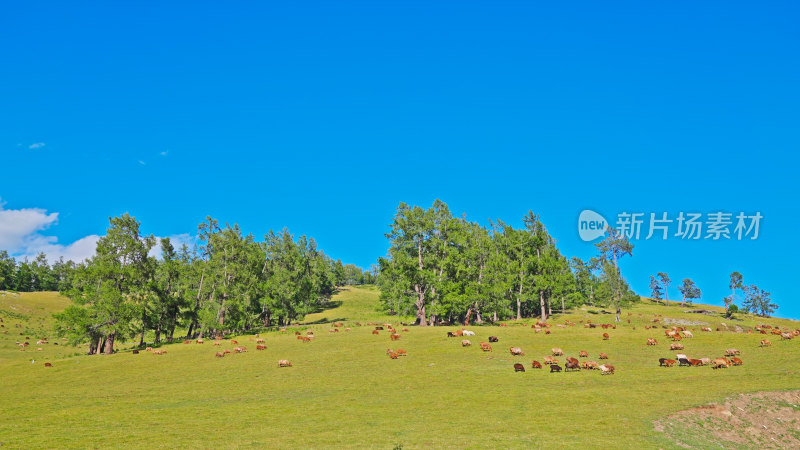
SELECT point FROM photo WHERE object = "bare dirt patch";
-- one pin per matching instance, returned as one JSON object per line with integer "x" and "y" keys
{"x": 762, "y": 419}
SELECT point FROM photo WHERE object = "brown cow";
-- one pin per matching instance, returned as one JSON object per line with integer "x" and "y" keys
{"x": 720, "y": 363}
{"x": 466, "y": 343}
{"x": 557, "y": 351}
{"x": 606, "y": 369}
{"x": 261, "y": 347}
{"x": 572, "y": 365}
{"x": 187, "y": 342}
{"x": 550, "y": 360}
{"x": 732, "y": 352}
{"x": 393, "y": 355}
{"x": 284, "y": 363}
{"x": 572, "y": 360}
{"x": 219, "y": 354}
{"x": 536, "y": 365}
{"x": 765, "y": 343}
{"x": 394, "y": 337}
{"x": 234, "y": 342}
{"x": 516, "y": 351}
{"x": 583, "y": 354}
{"x": 651, "y": 341}
{"x": 493, "y": 339}
{"x": 695, "y": 362}
{"x": 401, "y": 352}
{"x": 200, "y": 341}
{"x": 260, "y": 341}
{"x": 676, "y": 346}
{"x": 217, "y": 343}
{"x": 555, "y": 368}
{"x": 519, "y": 367}
{"x": 136, "y": 352}
{"x": 603, "y": 356}
{"x": 736, "y": 361}
{"x": 787, "y": 336}
{"x": 486, "y": 347}
{"x": 605, "y": 336}
{"x": 375, "y": 332}
{"x": 48, "y": 365}
{"x": 297, "y": 333}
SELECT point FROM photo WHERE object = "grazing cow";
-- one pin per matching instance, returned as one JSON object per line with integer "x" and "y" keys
{"x": 187, "y": 342}
{"x": 519, "y": 367}
{"x": 688, "y": 334}
{"x": 226, "y": 351}
{"x": 136, "y": 352}
{"x": 681, "y": 355}
{"x": 401, "y": 352}
{"x": 605, "y": 336}
{"x": 233, "y": 342}
{"x": 297, "y": 333}
{"x": 720, "y": 363}
{"x": 468, "y": 333}
{"x": 284, "y": 363}
{"x": 493, "y": 339}
{"x": 39, "y": 349}
{"x": 394, "y": 337}
{"x": 787, "y": 336}
{"x": 546, "y": 331}
{"x": 606, "y": 369}
{"x": 516, "y": 351}
{"x": 550, "y": 360}
{"x": 217, "y": 343}
{"x": 736, "y": 361}
{"x": 555, "y": 368}
{"x": 651, "y": 341}
{"x": 603, "y": 356}
{"x": 466, "y": 343}
{"x": 732, "y": 352}
{"x": 220, "y": 354}
{"x": 675, "y": 346}
{"x": 661, "y": 361}
{"x": 557, "y": 351}
{"x": 149, "y": 349}
{"x": 260, "y": 341}
{"x": 48, "y": 365}
{"x": 305, "y": 339}
{"x": 310, "y": 333}
{"x": 240, "y": 349}
{"x": 451, "y": 334}
{"x": 765, "y": 343}
{"x": 406, "y": 330}
{"x": 459, "y": 333}
{"x": 705, "y": 361}
{"x": 379, "y": 328}
{"x": 393, "y": 355}
{"x": 706, "y": 329}
{"x": 571, "y": 366}
{"x": 684, "y": 362}
{"x": 669, "y": 363}
{"x": 583, "y": 354}
{"x": 695, "y": 362}
{"x": 261, "y": 347}
{"x": 536, "y": 365}
{"x": 572, "y": 360}
{"x": 375, "y": 332}
{"x": 200, "y": 341}
{"x": 485, "y": 346}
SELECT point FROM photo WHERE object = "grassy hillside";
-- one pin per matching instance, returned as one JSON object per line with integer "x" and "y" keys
{"x": 344, "y": 391}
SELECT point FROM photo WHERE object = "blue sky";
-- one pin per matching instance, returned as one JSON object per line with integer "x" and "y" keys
{"x": 322, "y": 118}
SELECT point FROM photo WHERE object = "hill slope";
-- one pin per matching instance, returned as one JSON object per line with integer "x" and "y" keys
{"x": 344, "y": 391}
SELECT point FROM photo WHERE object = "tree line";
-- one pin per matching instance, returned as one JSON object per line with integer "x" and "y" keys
{"x": 35, "y": 275}
{"x": 227, "y": 282}
{"x": 756, "y": 300}
{"x": 446, "y": 269}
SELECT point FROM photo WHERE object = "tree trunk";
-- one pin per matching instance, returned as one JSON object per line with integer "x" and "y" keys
{"x": 101, "y": 341}
{"x": 110, "y": 343}
{"x": 618, "y": 312}
{"x": 542, "y": 305}
{"x": 158, "y": 333}
{"x": 466, "y": 319}
{"x": 562, "y": 304}
{"x": 519, "y": 295}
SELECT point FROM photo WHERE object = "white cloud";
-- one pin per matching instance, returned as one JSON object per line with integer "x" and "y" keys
{"x": 142, "y": 162}
{"x": 164, "y": 153}
{"x": 21, "y": 235}
{"x": 36, "y": 145}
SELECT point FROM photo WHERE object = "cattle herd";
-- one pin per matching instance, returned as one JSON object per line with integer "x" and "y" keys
{"x": 676, "y": 334}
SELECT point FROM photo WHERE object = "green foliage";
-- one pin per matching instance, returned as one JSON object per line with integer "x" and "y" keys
{"x": 758, "y": 301}
{"x": 689, "y": 290}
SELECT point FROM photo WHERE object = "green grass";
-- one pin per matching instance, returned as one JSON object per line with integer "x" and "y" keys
{"x": 343, "y": 391}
